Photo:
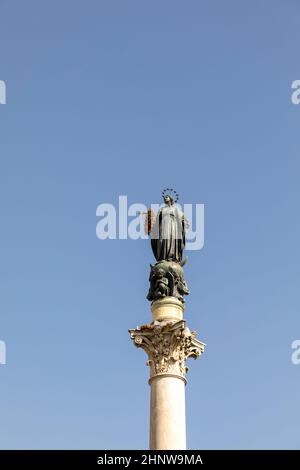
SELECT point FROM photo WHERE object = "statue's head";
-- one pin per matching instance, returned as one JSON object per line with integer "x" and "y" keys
{"x": 168, "y": 199}
{"x": 170, "y": 196}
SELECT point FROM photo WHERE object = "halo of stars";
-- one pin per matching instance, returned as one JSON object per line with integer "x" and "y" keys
{"x": 172, "y": 192}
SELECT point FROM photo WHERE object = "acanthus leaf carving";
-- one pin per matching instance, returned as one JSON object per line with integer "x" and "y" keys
{"x": 168, "y": 345}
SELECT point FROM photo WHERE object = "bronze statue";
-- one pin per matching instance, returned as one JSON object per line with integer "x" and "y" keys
{"x": 167, "y": 231}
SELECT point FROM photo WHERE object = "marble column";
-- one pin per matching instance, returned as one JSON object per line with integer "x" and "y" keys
{"x": 168, "y": 342}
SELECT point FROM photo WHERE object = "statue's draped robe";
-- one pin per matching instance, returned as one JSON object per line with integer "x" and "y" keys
{"x": 168, "y": 234}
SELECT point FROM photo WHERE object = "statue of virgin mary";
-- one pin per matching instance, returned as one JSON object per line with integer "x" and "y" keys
{"x": 168, "y": 231}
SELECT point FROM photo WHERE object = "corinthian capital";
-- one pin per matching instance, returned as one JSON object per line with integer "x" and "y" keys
{"x": 168, "y": 345}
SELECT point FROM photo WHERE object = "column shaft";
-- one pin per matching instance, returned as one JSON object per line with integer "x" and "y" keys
{"x": 167, "y": 413}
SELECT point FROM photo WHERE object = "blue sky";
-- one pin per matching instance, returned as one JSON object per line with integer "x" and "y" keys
{"x": 106, "y": 98}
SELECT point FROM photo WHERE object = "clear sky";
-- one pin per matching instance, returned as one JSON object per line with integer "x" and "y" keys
{"x": 110, "y": 97}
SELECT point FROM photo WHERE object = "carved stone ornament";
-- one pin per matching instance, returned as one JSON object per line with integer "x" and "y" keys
{"x": 168, "y": 345}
